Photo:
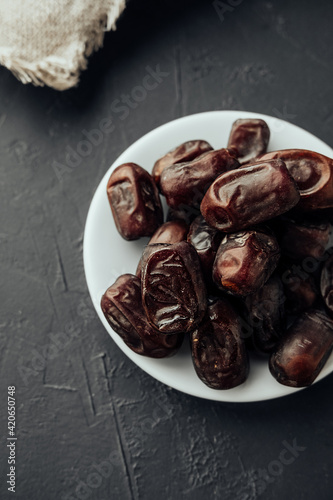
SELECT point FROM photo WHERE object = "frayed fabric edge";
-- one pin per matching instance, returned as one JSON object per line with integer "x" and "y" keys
{"x": 62, "y": 73}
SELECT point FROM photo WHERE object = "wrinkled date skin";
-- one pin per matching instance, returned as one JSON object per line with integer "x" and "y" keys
{"x": 206, "y": 240}
{"x": 326, "y": 282}
{"x": 185, "y": 152}
{"x": 307, "y": 238}
{"x": 266, "y": 315}
{"x": 242, "y": 198}
{"x": 313, "y": 174}
{"x": 170, "y": 232}
{"x": 249, "y": 137}
{"x": 186, "y": 183}
{"x": 122, "y": 307}
{"x": 303, "y": 350}
{"x": 134, "y": 201}
{"x": 245, "y": 261}
{"x": 173, "y": 290}
{"x": 218, "y": 352}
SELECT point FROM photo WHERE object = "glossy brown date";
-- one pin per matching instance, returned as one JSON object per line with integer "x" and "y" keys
{"x": 218, "y": 352}
{"x": 134, "y": 201}
{"x": 303, "y": 350}
{"x": 326, "y": 282}
{"x": 123, "y": 310}
{"x": 245, "y": 261}
{"x": 206, "y": 240}
{"x": 249, "y": 137}
{"x": 266, "y": 315}
{"x": 170, "y": 232}
{"x": 184, "y": 152}
{"x": 186, "y": 183}
{"x": 313, "y": 174}
{"x": 173, "y": 289}
{"x": 245, "y": 197}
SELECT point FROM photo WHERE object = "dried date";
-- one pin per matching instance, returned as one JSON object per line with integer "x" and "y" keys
{"x": 249, "y": 137}
{"x": 134, "y": 201}
{"x": 173, "y": 290}
{"x": 245, "y": 260}
{"x": 184, "y": 152}
{"x": 303, "y": 350}
{"x": 123, "y": 310}
{"x": 313, "y": 173}
{"x": 218, "y": 350}
{"x": 242, "y": 198}
{"x": 186, "y": 183}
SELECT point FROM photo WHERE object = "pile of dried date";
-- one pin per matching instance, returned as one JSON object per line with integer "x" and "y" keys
{"x": 242, "y": 262}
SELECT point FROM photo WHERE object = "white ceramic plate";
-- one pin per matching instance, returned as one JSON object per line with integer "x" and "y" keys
{"x": 107, "y": 255}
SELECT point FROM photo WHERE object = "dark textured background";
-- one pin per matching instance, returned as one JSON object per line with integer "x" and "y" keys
{"x": 88, "y": 403}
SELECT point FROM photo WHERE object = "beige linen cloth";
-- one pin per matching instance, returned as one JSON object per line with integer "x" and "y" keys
{"x": 47, "y": 42}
